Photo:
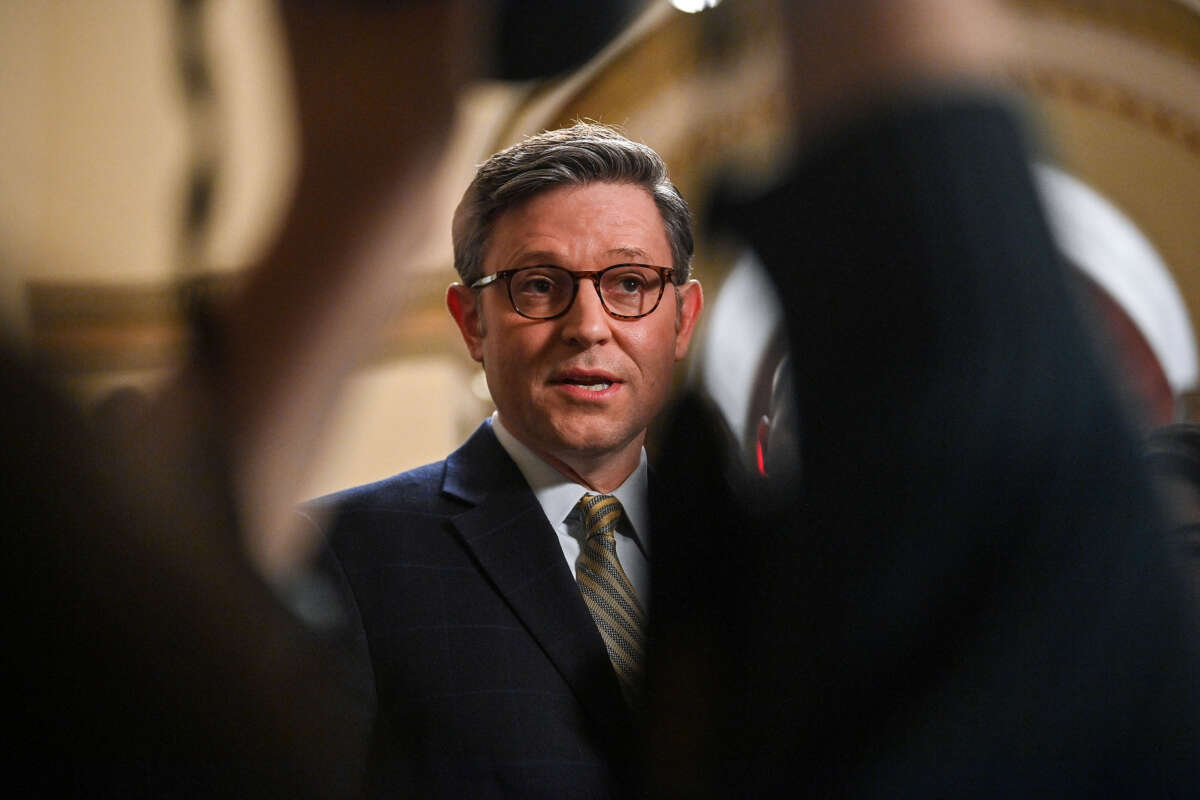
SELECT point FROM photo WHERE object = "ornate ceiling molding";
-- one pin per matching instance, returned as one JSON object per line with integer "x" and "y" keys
{"x": 1171, "y": 24}
{"x": 1157, "y": 117}
{"x": 88, "y": 328}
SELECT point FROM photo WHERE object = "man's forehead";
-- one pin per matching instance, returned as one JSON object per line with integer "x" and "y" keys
{"x": 614, "y": 255}
{"x": 553, "y": 196}
{"x": 615, "y": 222}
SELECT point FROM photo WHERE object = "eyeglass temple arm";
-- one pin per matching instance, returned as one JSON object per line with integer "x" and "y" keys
{"x": 486, "y": 280}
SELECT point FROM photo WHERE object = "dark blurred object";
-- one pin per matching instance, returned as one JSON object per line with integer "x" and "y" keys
{"x": 150, "y": 654}
{"x": 1175, "y": 449}
{"x": 120, "y": 409}
{"x": 965, "y": 596}
{"x": 147, "y": 658}
{"x": 542, "y": 38}
{"x": 777, "y": 437}
{"x": 1173, "y": 455}
{"x": 1141, "y": 317}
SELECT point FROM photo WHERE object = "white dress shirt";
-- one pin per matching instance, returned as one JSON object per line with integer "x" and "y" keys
{"x": 559, "y": 497}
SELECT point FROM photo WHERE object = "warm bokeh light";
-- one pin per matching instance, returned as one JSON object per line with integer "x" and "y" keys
{"x": 694, "y": 6}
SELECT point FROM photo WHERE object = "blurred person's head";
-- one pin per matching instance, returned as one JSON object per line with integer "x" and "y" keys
{"x": 577, "y": 366}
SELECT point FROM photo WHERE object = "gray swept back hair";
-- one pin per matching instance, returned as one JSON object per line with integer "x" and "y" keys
{"x": 586, "y": 152}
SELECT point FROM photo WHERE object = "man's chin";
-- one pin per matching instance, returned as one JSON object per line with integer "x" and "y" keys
{"x": 592, "y": 443}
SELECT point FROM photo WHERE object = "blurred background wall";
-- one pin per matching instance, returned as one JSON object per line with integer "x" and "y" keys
{"x": 100, "y": 145}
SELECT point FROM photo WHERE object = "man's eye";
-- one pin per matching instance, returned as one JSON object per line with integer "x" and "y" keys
{"x": 536, "y": 284}
{"x": 631, "y": 284}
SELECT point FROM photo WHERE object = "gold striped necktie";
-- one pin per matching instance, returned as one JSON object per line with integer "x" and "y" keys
{"x": 608, "y": 593}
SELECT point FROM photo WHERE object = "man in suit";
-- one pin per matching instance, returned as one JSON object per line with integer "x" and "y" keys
{"x": 504, "y": 647}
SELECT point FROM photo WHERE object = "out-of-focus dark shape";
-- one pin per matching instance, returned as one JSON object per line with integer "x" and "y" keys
{"x": 147, "y": 658}
{"x": 150, "y": 653}
{"x": 1142, "y": 320}
{"x": 963, "y": 594}
{"x": 120, "y": 409}
{"x": 742, "y": 347}
{"x": 542, "y": 38}
{"x": 1173, "y": 455}
{"x": 777, "y": 444}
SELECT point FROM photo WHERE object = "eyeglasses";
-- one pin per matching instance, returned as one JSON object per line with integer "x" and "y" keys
{"x": 627, "y": 291}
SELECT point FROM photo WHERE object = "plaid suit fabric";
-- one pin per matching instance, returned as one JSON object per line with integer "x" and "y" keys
{"x": 488, "y": 674}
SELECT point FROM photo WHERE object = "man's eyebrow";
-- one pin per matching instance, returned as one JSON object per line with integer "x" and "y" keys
{"x": 630, "y": 253}
{"x": 537, "y": 258}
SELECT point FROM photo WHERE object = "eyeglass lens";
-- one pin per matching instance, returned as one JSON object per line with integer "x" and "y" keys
{"x": 629, "y": 290}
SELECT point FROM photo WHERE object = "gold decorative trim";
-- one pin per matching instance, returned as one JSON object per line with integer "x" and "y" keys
{"x": 1162, "y": 119}
{"x": 83, "y": 327}
{"x": 1167, "y": 23}
{"x": 90, "y": 327}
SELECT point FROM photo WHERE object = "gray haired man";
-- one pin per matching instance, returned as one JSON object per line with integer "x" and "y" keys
{"x": 500, "y": 591}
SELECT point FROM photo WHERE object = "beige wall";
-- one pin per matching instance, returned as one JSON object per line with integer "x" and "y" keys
{"x": 394, "y": 417}
{"x": 93, "y": 142}
{"x": 96, "y": 142}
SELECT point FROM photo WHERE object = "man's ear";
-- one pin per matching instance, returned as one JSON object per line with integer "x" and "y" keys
{"x": 463, "y": 304}
{"x": 691, "y": 300}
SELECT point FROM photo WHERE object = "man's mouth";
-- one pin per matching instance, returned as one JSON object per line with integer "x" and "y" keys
{"x": 596, "y": 386}
{"x": 588, "y": 381}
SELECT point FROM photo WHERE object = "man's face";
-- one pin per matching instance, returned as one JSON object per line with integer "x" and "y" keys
{"x": 580, "y": 389}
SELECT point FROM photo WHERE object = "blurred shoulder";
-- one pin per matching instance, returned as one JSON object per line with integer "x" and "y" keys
{"x": 412, "y": 490}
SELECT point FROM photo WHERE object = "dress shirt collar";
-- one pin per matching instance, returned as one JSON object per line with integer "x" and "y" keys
{"x": 558, "y": 494}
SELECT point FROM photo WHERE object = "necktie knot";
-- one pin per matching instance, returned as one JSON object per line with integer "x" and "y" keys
{"x": 601, "y": 513}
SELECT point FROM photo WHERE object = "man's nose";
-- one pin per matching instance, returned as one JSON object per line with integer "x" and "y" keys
{"x": 587, "y": 322}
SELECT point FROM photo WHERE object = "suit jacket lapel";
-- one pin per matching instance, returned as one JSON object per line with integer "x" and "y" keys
{"x": 517, "y": 549}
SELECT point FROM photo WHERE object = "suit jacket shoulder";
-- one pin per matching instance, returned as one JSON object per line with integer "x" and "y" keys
{"x": 490, "y": 676}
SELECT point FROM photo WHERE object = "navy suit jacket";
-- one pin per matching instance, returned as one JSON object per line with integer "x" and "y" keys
{"x": 489, "y": 675}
